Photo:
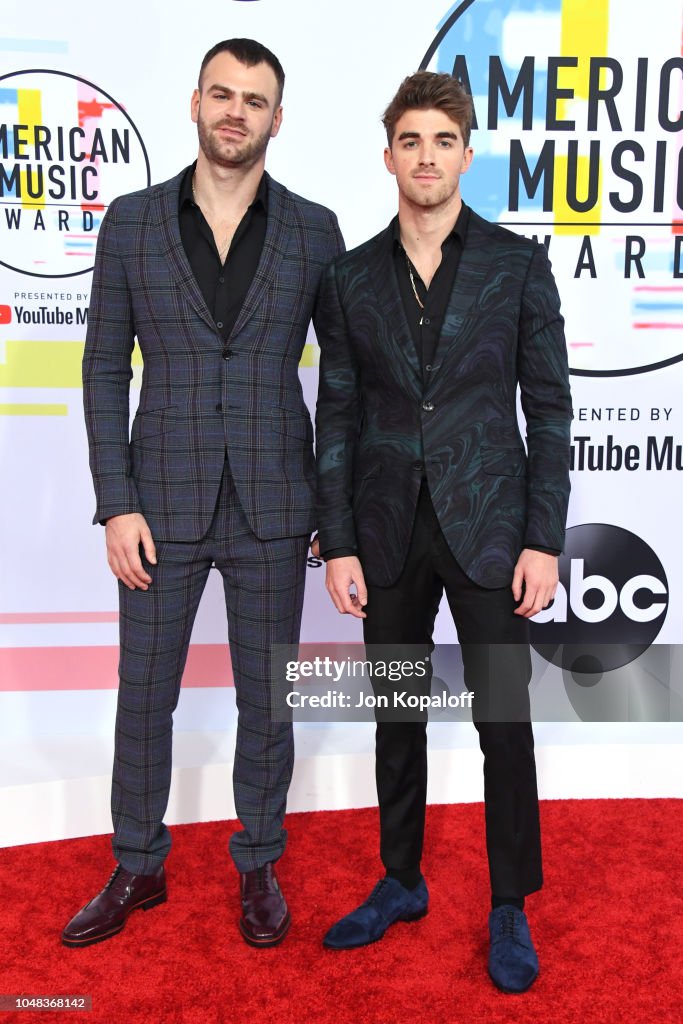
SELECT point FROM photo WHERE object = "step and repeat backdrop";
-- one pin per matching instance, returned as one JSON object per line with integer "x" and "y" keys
{"x": 578, "y": 142}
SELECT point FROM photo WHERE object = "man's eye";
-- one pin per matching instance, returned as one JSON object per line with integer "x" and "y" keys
{"x": 255, "y": 103}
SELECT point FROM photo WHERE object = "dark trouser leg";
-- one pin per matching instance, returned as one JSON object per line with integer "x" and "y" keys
{"x": 264, "y": 589}
{"x": 495, "y": 650}
{"x": 403, "y": 614}
{"x": 155, "y": 628}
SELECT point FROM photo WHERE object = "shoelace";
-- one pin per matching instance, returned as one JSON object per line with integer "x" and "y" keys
{"x": 111, "y": 884}
{"x": 375, "y": 894}
{"x": 508, "y": 924}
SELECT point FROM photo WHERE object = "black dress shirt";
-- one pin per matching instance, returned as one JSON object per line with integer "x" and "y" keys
{"x": 223, "y": 285}
{"x": 425, "y": 322}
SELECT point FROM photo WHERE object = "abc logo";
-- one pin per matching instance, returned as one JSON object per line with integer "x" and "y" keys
{"x": 610, "y": 603}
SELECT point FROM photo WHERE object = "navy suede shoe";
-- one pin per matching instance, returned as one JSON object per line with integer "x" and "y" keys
{"x": 513, "y": 964}
{"x": 388, "y": 902}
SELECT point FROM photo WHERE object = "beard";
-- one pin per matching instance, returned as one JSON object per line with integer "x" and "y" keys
{"x": 230, "y": 152}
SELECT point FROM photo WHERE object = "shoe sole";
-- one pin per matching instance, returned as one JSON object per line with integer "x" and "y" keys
{"x": 359, "y": 945}
{"x": 151, "y": 901}
{"x": 513, "y": 991}
{"x": 271, "y": 940}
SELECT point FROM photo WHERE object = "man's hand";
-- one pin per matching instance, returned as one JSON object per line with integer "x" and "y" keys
{"x": 342, "y": 574}
{"x": 124, "y": 536}
{"x": 315, "y": 547}
{"x": 538, "y": 572}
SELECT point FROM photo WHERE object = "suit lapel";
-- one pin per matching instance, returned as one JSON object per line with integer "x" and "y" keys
{"x": 474, "y": 264}
{"x": 383, "y": 276}
{"x": 174, "y": 251}
{"x": 278, "y": 228}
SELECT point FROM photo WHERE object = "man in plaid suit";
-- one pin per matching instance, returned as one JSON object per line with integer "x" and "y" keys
{"x": 216, "y": 272}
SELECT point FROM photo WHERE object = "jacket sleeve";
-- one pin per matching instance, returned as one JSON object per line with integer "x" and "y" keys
{"x": 337, "y": 419}
{"x": 107, "y": 374}
{"x": 543, "y": 375}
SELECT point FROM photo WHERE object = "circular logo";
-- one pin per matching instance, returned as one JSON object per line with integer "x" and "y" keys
{"x": 610, "y": 603}
{"x": 67, "y": 149}
{"x": 578, "y": 145}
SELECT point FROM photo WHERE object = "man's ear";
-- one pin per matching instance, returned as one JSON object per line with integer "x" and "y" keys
{"x": 277, "y": 121}
{"x": 389, "y": 160}
{"x": 194, "y": 105}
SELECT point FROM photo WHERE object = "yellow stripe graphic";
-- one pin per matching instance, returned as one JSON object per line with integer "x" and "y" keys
{"x": 29, "y": 108}
{"x": 32, "y": 409}
{"x": 57, "y": 364}
{"x": 585, "y": 30}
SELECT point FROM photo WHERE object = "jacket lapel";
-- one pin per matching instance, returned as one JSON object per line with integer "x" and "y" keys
{"x": 173, "y": 249}
{"x": 474, "y": 264}
{"x": 383, "y": 277}
{"x": 278, "y": 228}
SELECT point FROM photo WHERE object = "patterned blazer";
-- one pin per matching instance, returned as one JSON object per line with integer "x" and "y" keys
{"x": 381, "y": 428}
{"x": 197, "y": 399}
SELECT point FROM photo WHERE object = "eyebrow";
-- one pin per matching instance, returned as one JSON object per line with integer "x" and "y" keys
{"x": 417, "y": 135}
{"x": 245, "y": 95}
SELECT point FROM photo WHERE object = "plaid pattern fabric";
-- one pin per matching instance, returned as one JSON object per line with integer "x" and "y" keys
{"x": 199, "y": 396}
{"x": 203, "y": 399}
{"x": 264, "y": 588}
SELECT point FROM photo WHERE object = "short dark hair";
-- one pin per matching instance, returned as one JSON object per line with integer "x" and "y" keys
{"x": 426, "y": 90}
{"x": 249, "y": 53}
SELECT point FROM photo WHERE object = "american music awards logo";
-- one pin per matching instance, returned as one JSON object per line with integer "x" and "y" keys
{"x": 579, "y": 142}
{"x": 67, "y": 148}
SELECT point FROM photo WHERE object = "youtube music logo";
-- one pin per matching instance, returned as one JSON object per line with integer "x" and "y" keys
{"x": 5, "y": 314}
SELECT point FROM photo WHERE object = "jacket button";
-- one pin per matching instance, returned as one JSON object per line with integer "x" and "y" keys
{"x": 428, "y": 406}
{"x": 219, "y": 407}
{"x": 227, "y": 353}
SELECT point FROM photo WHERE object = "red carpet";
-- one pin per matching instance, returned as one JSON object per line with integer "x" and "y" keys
{"x": 608, "y": 927}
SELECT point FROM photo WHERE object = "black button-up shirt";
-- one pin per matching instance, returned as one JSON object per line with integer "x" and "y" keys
{"x": 223, "y": 285}
{"x": 425, "y": 323}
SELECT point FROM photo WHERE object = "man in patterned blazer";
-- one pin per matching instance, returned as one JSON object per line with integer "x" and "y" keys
{"x": 216, "y": 272}
{"x": 424, "y": 486}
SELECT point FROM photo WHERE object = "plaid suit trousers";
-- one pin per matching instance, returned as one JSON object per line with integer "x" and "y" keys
{"x": 264, "y": 588}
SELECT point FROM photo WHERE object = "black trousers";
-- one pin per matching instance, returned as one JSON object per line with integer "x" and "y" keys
{"x": 495, "y": 651}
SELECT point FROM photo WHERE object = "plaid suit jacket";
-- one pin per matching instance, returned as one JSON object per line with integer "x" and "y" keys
{"x": 194, "y": 403}
{"x": 381, "y": 426}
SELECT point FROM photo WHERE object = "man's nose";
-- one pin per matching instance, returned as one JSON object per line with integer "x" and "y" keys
{"x": 427, "y": 156}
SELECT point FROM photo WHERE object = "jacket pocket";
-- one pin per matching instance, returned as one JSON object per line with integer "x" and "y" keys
{"x": 152, "y": 422}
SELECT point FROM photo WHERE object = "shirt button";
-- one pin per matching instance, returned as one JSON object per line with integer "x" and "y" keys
{"x": 219, "y": 324}
{"x": 221, "y": 280}
{"x": 426, "y": 320}
{"x": 428, "y": 406}
{"x": 429, "y": 367}
{"x": 418, "y": 466}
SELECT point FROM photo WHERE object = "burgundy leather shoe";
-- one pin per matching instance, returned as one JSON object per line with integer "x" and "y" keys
{"x": 107, "y": 913}
{"x": 265, "y": 918}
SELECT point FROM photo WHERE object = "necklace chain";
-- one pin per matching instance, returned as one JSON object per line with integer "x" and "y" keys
{"x": 412, "y": 280}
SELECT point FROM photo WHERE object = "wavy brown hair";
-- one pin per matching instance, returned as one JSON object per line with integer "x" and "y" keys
{"x": 426, "y": 90}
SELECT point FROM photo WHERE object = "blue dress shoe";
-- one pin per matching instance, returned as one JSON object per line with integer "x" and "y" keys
{"x": 388, "y": 902}
{"x": 513, "y": 964}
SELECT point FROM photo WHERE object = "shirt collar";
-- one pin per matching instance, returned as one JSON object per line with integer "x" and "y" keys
{"x": 457, "y": 232}
{"x": 186, "y": 198}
